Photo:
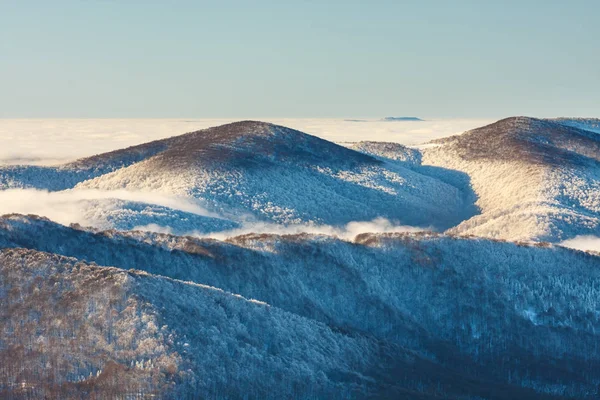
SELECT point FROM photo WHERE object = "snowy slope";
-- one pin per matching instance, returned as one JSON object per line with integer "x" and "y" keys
{"x": 535, "y": 179}
{"x": 255, "y": 170}
{"x": 386, "y": 150}
{"x": 126, "y": 215}
{"x": 68, "y": 175}
{"x": 74, "y": 330}
{"x": 114, "y": 210}
{"x": 285, "y": 176}
{"x": 509, "y": 314}
{"x": 588, "y": 124}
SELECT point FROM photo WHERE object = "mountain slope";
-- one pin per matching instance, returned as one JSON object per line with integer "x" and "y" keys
{"x": 535, "y": 179}
{"x": 508, "y": 314}
{"x": 282, "y": 175}
{"x": 126, "y": 215}
{"x": 120, "y": 210}
{"x": 74, "y": 330}
{"x": 588, "y": 124}
{"x": 255, "y": 170}
{"x": 68, "y": 175}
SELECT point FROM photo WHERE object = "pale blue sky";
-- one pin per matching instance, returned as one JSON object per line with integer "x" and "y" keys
{"x": 278, "y": 58}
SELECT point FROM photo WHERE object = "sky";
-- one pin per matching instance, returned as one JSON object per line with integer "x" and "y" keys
{"x": 298, "y": 59}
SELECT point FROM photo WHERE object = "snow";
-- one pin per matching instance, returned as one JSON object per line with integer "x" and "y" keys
{"x": 524, "y": 191}
{"x": 590, "y": 124}
{"x": 131, "y": 334}
{"x": 252, "y": 260}
{"x": 275, "y": 174}
{"x": 455, "y": 302}
{"x": 117, "y": 209}
{"x": 392, "y": 151}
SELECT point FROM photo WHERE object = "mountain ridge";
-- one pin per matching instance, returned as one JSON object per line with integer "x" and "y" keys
{"x": 535, "y": 179}
{"x": 490, "y": 299}
{"x": 538, "y": 175}
{"x": 481, "y": 303}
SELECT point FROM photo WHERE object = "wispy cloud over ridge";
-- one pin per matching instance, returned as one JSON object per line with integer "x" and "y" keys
{"x": 346, "y": 232}
{"x": 73, "y": 206}
{"x": 82, "y": 207}
{"x": 584, "y": 243}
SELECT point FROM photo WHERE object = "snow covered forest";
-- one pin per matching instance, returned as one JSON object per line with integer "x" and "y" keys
{"x": 255, "y": 261}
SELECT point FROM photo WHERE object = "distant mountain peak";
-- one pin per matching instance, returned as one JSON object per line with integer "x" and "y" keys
{"x": 243, "y": 142}
{"x": 391, "y": 119}
{"x": 527, "y": 139}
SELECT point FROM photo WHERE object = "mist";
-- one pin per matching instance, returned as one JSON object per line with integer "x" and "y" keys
{"x": 80, "y": 205}
{"x": 346, "y": 232}
{"x": 52, "y": 142}
{"x": 584, "y": 243}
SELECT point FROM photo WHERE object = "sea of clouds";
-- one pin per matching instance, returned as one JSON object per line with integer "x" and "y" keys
{"x": 55, "y": 141}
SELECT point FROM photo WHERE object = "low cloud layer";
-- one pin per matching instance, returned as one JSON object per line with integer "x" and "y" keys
{"x": 75, "y": 206}
{"x": 82, "y": 207}
{"x": 50, "y": 142}
{"x": 585, "y": 243}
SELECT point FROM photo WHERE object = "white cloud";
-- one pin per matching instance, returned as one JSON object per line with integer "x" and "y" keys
{"x": 348, "y": 232}
{"x": 585, "y": 243}
{"x": 159, "y": 229}
{"x": 73, "y": 206}
{"x": 50, "y": 141}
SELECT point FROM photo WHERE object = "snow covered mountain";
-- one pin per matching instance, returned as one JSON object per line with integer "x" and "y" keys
{"x": 95, "y": 303}
{"x": 535, "y": 179}
{"x": 266, "y": 172}
{"x": 484, "y": 314}
{"x": 68, "y": 175}
{"x": 517, "y": 179}
{"x": 107, "y": 333}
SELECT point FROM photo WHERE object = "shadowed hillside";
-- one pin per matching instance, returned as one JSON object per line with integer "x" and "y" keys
{"x": 500, "y": 312}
